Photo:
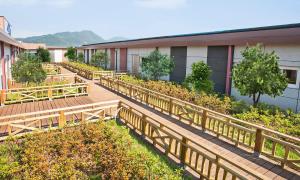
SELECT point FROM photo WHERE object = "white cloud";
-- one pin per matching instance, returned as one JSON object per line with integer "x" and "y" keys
{"x": 162, "y": 4}
{"x": 55, "y": 3}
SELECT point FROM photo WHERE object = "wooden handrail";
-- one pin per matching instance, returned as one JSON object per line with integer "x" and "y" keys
{"x": 184, "y": 141}
{"x": 238, "y": 131}
{"x": 19, "y": 95}
{"x": 25, "y": 123}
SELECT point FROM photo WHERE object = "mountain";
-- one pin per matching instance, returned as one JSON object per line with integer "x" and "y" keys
{"x": 68, "y": 39}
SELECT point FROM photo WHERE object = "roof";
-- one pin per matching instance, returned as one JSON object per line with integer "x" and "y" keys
{"x": 8, "y": 39}
{"x": 56, "y": 47}
{"x": 255, "y": 31}
{"x": 33, "y": 46}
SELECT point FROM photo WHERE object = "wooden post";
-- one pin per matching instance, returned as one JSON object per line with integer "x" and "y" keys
{"x": 50, "y": 93}
{"x": 203, "y": 120}
{"x": 286, "y": 155}
{"x": 144, "y": 125}
{"x": 3, "y": 97}
{"x": 130, "y": 91}
{"x": 171, "y": 106}
{"x": 147, "y": 98}
{"x": 258, "y": 141}
{"x": 9, "y": 83}
{"x": 62, "y": 119}
{"x": 82, "y": 117}
{"x": 183, "y": 150}
{"x": 9, "y": 129}
{"x": 87, "y": 88}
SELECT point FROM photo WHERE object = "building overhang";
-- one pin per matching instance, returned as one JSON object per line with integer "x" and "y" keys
{"x": 283, "y": 34}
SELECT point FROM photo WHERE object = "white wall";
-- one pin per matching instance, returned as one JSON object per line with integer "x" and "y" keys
{"x": 195, "y": 54}
{"x": 0, "y": 68}
{"x": 58, "y": 55}
{"x": 7, "y": 57}
{"x": 165, "y": 51}
{"x": 143, "y": 52}
{"x": 289, "y": 58}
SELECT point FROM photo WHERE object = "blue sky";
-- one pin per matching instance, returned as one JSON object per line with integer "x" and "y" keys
{"x": 144, "y": 18}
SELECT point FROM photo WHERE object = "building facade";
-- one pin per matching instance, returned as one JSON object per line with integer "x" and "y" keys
{"x": 9, "y": 49}
{"x": 220, "y": 50}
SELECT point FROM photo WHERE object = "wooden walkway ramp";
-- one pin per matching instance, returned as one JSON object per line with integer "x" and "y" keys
{"x": 262, "y": 165}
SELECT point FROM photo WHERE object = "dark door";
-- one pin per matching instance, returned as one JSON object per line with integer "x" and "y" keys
{"x": 179, "y": 55}
{"x": 217, "y": 57}
{"x": 88, "y": 56}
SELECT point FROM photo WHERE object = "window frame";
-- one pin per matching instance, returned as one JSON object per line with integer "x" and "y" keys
{"x": 297, "y": 77}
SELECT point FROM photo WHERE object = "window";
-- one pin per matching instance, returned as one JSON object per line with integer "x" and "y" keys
{"x": 291, "y": 76}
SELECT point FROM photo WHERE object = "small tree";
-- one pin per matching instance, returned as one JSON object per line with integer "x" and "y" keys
{"x": 80, "y": 57}
{"x": 259, "y": 74}
{"x": 71, "y": 53}
{"x": 99, "y": 59}
{"x": 198, "y": 80}
{"x": 43, "y": 55}
{"x": 28, "y": 69}
{"x": 157, "y": 65}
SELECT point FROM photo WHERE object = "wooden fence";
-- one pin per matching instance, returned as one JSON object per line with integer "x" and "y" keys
{"x": 261, "y": 140}
{"x": 20, "y": 95}
{"x": 207, "y": 163}
{"x": 50, "y": 78}
{"x": 92, "y": 75}
{"x": 51, "y": 69}
{"x": 20, "y": 124}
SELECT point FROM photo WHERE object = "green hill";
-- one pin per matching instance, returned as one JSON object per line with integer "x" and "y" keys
{"x": 68, "y": 39}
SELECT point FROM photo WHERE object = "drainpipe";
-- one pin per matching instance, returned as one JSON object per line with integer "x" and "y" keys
{"x": 298, "y": 98}
{"x": 3, "y": 66}
{"x": 229, "y": 69}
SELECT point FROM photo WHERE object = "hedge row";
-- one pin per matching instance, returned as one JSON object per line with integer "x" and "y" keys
{"x": 284, "y": 121}
{"x": 91, "y": 151}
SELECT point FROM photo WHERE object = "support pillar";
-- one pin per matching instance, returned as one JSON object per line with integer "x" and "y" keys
{"x": 3, "y": 66}
{"x": 229, "y": 70}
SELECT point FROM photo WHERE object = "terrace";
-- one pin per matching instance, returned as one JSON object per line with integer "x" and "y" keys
{"x": 209, "y": 144}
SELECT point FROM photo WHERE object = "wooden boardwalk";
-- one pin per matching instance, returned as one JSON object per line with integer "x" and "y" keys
{"x": 97, "y": 93}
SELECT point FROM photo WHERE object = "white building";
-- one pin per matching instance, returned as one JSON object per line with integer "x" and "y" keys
{"x": 220, "y": 50}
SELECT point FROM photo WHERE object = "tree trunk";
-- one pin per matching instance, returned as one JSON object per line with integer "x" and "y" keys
{"x": 256, "y": 99}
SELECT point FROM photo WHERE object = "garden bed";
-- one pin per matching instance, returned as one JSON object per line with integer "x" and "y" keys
{"x": 90, "y": 151}
{"x": 56, "y": 86}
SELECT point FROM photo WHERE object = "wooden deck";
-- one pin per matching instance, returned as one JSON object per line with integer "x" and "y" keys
{"x": 43, "y": 105}
{"x": 97, "y": 93}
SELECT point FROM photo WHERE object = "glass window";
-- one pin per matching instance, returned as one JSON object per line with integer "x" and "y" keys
{"x": 291, "y": 75}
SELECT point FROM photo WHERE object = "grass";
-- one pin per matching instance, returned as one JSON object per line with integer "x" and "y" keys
{"x": 159, "y": 164}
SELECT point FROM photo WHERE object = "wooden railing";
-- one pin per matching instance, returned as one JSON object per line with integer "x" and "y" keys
{"x": 51, "y": 69}
{"x": 261, "y": 140}
{"x": 207, "y": 163}
{"x": 20, "y": 124}
{"x": 50, "y": 78}
{"x": 20, "y": 95}
{"x": 92, "y": 75}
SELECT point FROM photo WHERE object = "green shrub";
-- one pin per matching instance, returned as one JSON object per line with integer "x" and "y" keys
{"x": 212, "y": 101}
{"x": 286, "y": 122}
{"x": 84, "y": 66}
{"x": 198, "y": 80}
{"x": 28, "y": 69}
{"x": 96, "y": 150}
{"x": 157, "y": 65}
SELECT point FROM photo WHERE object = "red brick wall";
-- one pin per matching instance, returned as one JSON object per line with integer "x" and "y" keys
{"x": 123, "y": 59}
{"x": 112, "y": 58}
